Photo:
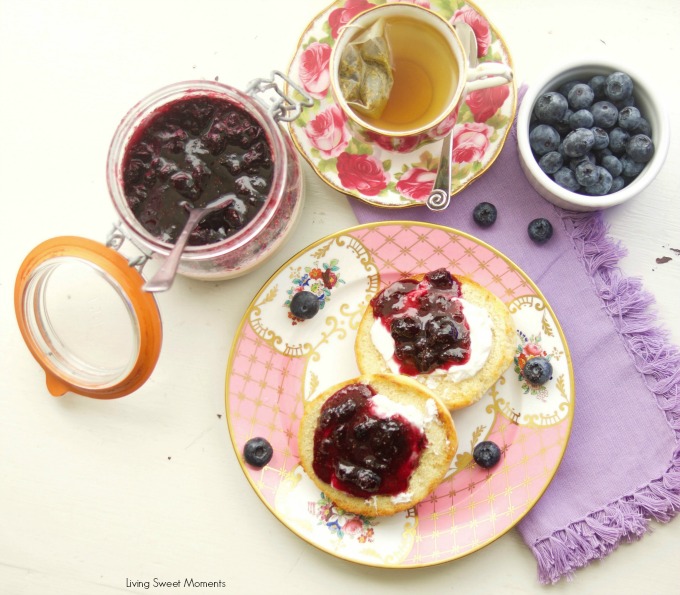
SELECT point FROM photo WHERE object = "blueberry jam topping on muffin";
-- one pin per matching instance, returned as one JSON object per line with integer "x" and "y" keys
{"x": 361, "y": 452}
{"x": 426, "y": 322}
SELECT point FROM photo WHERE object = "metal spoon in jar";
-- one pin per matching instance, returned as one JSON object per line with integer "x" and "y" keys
{"x": 164, "y": 277}
{"x": 440, "y": 196}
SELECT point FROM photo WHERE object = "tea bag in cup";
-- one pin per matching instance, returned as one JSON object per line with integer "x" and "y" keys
{"x": 365, "y": 71}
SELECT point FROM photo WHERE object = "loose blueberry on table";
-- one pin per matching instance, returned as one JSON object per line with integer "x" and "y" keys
{"x": 484, "y": 214}
{"x": 592, "y": 121}
{"x": 257, "y": 452}
{"x": 196, "y": 149}
{"x": 426, "y": 321}
{"x": 362, "y": 454}
{"x": 304, "y": 305}
{"x": 486, "y": 454}
{"x": 540, "y": 230}
{"x": 537, "y": 371}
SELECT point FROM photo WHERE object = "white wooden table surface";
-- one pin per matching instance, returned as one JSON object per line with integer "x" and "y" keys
{"x": 93, "y": 494}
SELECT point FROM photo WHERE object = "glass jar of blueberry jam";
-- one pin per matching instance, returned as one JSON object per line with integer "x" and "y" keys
{"x": 83, "y": 307}
{"x": 186, "y": 145}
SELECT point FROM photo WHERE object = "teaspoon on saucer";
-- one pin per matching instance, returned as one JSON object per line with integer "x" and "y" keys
{"x": 440, "y": 196}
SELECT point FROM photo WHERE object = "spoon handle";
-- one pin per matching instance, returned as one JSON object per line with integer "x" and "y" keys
{"x": 440, "y": 196}
{"x": 165, "y": 275}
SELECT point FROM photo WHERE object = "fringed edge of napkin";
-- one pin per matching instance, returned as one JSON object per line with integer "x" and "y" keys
{"x": 629, "y": 308}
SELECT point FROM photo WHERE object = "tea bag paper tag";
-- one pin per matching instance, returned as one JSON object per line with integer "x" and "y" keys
{"x": 365, "y": 72}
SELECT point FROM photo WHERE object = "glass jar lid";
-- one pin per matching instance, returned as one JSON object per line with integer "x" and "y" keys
{"x": 86, "y": 319}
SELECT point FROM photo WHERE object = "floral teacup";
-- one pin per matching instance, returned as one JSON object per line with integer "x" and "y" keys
{"x": 408, "y": 132}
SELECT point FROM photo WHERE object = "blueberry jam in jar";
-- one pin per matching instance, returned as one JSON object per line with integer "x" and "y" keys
{"x": 360, "y": 453}
{"x": 193, "y": 142}
{"x": 426, "y": 321}
{"x": 197, "y": 149}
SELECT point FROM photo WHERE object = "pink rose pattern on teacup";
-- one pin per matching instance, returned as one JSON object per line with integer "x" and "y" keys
{"x": 328, "y": 132}
{"x": 404, "y": 144}
{"x": 417, "y": 183}
{"x": 423, "y": 3}
{"x": 384, "y": 167}
{"x": 446, "y": 125}
{"x": 469, "y": 15}
{"x": 361, "y": 172}
{"x": 470, "y": 141}
{"x": 484, "y": 103}
{"x": 341, "y": 16}
{"x": 314, "y": 71}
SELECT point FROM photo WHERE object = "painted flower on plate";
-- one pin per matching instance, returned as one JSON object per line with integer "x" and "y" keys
{"x": 328, "y": 133}
{"x": 341, "y": 16}
{"x": 325, "y": 275}
{"x": 530, "y": 347}
{"x": 471, "y": 141}
{"x": 318, "y": 279}
{"x": 363, "y": 173}
{"x": 484, "y": 103}
{"x": 533, "y": 349}
{"x": 416, "y": 183}
{"x": 314, "y": 72}
{"x": 342, "y": 524}
{"x": 353, "y": 526}
{"x": 480, "y": 26}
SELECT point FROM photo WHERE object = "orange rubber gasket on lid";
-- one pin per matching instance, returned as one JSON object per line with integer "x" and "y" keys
{"x": 116, "y": 267}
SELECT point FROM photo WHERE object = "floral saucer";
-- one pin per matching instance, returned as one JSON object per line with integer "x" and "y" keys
{"x": 278, "y": 363}
{"x": 380, "y": 175}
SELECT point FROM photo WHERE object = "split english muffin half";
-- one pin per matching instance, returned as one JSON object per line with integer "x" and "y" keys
{"x": 377, "y": 444}
{"x": 475, "y": 344}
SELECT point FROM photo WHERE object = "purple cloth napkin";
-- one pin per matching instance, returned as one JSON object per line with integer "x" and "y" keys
{"x": 622, "y": 464}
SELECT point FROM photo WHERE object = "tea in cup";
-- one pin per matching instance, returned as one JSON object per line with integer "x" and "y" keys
{"x": 399, "y": 71}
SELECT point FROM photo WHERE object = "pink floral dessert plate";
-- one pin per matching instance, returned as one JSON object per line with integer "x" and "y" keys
{"x": 380, "y": 175}
{"x": 278, "y": 363}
